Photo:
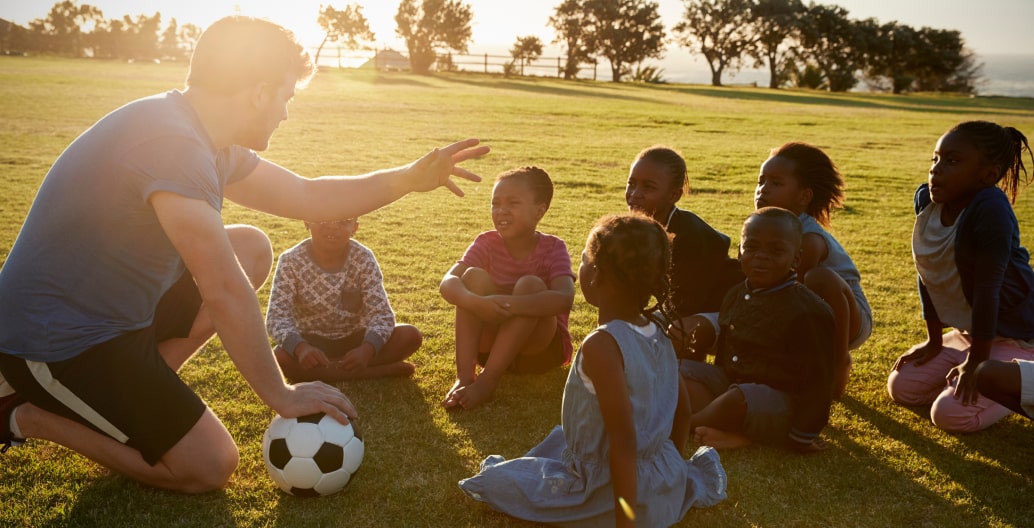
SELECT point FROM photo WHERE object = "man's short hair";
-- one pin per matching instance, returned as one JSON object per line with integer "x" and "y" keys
{"x": 237, "y": 52}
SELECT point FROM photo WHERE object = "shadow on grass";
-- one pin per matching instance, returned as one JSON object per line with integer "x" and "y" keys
{"x": 113, "y": 501}
{"x": 998, "y": 487}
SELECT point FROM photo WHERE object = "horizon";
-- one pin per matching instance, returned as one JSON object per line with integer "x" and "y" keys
{"x": 495, "y": 25}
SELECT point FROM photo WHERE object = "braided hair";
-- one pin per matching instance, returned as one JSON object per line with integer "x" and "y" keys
{"x": 1003, "y": 147}
{"x": 635, "y": 251}
{"x": 672, "y": 162}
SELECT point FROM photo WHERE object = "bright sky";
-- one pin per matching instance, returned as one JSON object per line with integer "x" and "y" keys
{"x": 988, "y": 26}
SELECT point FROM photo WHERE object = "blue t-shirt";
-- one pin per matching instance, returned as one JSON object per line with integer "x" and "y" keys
{"x": 91, "y": 260}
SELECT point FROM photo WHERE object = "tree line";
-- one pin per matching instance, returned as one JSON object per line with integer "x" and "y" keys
{"x": 809, "y": 46}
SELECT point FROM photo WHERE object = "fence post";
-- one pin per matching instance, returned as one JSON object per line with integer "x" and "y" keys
{"x": 339, "y": 57}
{"x": 594, "y": 70}
{"x": 486, "y": 63}
{"x": 558, "y": 67}
{"x": 522, "y": 67}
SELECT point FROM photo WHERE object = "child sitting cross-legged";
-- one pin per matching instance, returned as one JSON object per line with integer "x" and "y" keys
{"x": 329, "y": 313}
{"x": 773, "y": 377}
{"x": 513, "y": 290}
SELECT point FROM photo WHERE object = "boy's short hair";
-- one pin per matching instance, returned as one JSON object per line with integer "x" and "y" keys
{"x": 783, "y": 215}
{"x": 237, "y": 52}
{"x": 535, "y": 178}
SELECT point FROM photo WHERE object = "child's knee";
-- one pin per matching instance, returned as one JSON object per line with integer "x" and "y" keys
{"x": 478, "y": 281}
{"x": 950, "y": 415}
{"x": 410, "y": 336}
{"x": 907, "y": 391}
{"x": 529, "y": 284}
{"x": 825, "y": 283}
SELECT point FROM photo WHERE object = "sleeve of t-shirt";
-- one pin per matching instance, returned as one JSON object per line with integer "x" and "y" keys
{"x": 185, "y": 166}
{"x": 476, "y": 255}
{"x": 560, "y": 261}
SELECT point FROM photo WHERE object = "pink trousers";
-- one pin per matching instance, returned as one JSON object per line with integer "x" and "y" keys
{"x": 926, "y": 384}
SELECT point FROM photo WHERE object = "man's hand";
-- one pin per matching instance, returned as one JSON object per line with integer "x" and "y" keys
{"x": 313, "y": 397}
{"x": 435, "y": 168}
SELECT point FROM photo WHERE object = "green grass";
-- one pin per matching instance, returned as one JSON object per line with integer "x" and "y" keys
{"x": 886, "y": 466}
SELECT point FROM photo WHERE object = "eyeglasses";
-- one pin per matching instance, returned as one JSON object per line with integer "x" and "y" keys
{"x": 340, "y": 224}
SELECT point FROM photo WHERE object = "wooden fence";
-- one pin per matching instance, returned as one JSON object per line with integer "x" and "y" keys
{"x": 391, "y": 60}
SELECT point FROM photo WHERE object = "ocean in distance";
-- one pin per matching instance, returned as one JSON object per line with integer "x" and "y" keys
{"x": 1010, "y": 75}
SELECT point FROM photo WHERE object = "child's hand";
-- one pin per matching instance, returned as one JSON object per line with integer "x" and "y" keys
{"x": 357, "y": 358}
{"x": 494, "y": 309}
{"x": 919, "y": 354}
{"x": 309, "y": 356}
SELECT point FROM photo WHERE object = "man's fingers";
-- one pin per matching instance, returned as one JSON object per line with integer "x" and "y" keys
{"x": 465, "y": 174}
{"x": 451, "y": 185}
{"x": 471, "y": 153}
{"x": 460, "y": 146}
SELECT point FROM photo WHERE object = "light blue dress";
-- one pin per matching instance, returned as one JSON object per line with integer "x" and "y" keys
{"x": 565, "y": 480}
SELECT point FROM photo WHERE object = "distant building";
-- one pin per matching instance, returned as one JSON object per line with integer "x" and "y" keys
{"x": 388, "y": 60}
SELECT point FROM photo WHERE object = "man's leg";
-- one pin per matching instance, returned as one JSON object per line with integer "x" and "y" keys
{"x": 255, "y": 255}
{"x": 201, "y": 461}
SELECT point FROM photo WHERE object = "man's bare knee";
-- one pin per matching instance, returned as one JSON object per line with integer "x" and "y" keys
{"x": 254, "y": 252}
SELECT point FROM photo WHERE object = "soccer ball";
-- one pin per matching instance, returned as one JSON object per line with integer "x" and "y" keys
{"x": 311, "y": 455}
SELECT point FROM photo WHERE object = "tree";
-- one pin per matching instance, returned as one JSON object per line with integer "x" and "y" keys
{"x": 62, "y": 30}
{"x": 169, "y": 43}
{"x": 833, "y": 43}
{"x": 720, "y": 30}
{"x": 775, "y": 22}
{"x": 944, "y": 63}
{"x": 188, "y": 35}
{"x": 571, "y": 23}
{"x": 430, "y": 25}
{"x": 625, "y": 32}
{"x": 347, "y": 25}
{"x": 525, "y": 51}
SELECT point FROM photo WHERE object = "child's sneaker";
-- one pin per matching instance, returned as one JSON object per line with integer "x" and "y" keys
{"x": 7, "y": 405}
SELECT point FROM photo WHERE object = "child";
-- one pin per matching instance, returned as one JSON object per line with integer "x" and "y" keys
{"x": 801, "y": 178}
{"x": 329, "y": 314}
{"x": 615, "y": 460}
{"x": 513, "y": 290}
{"x": 701, "y": 270}
{"x": 973, "y": 276}
{"x": 772, "y": 381}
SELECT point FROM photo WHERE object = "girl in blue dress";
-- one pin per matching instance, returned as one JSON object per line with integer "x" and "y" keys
{"x": 615, "y": 460}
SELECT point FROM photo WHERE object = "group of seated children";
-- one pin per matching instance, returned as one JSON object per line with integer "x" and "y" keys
{"x": 780, "y": 321}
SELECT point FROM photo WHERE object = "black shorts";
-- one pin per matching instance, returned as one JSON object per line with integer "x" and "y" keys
{"x": 122, "y": 388}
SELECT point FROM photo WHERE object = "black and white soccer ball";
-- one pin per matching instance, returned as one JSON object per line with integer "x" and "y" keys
{"x": 311, "y": 455}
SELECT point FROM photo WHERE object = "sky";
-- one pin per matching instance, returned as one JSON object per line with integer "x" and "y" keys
{"x": 988, "y": 26}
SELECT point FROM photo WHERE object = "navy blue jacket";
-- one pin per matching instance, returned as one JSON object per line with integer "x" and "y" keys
{"x": 994, "y": 268}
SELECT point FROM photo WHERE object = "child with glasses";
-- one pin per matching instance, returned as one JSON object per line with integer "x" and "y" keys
{"x": 329, "y": 314}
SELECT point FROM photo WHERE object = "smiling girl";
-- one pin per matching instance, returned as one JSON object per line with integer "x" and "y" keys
{"x": 513, "y": 290}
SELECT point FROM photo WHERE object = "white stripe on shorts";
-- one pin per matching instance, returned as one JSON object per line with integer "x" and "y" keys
{"x": 41, "y": 372}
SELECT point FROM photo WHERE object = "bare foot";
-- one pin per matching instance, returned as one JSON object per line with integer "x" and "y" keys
{"x": 450, "y": 400}
{"x": 474, "y": 394}
{"x": 719, "y": 439}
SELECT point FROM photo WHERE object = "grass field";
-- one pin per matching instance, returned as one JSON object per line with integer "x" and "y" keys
{"x": 886, "y": 466}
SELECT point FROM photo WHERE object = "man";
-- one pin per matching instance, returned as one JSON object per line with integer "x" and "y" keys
{"x": 123, "y": 268}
